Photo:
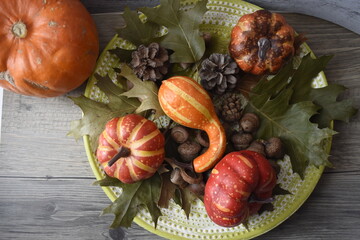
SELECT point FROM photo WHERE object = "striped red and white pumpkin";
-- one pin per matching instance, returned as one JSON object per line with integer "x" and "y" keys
{"x": 188, "y": 103}
{"x": 144, "y": 142}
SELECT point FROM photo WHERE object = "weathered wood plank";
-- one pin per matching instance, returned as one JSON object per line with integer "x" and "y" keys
{"x": 107, "y": 24}
{"x": 104, "y": 6}
{"x": 331, "y": 212}
{"x": 36, "y": 209}
{"x": 69, "y": 208}
{"x": 345, "y": 13}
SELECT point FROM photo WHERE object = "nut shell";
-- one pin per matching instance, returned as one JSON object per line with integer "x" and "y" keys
{"x": 250, "y": 122}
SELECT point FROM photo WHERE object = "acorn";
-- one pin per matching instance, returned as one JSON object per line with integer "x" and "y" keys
{"x": 257, "y": 146}
{"x": 189, "y": 150}
{"x": 241, "y": 140}
{"x": 250, "y": 122}
{"x": 179, "y": 134}
{"x": 274, "y": 148}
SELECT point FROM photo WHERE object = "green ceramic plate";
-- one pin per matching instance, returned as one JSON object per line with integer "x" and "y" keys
{"x": 219, "y": 20}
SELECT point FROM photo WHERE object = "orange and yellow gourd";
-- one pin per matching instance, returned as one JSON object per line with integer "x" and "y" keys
{"x": 187, "y": 103}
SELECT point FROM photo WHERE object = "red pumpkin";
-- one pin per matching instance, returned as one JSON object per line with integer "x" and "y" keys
{"x": 48, "y": 47}
{"x": 141, "y": 144}
{"x": 232, "y": 181}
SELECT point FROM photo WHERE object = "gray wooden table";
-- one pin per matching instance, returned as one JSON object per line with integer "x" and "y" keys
{"x": 46, "y": 187}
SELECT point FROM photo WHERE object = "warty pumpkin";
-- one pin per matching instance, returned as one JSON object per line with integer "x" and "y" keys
{"x": 261, "y": 42}
{"x": 238, "y": 177}
{"x": 48, "y": 47}
{"x": 187, "y": 103}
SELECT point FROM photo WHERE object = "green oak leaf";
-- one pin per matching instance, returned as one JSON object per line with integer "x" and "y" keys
{"x": 97, "y": 114}
{"x": 183, "y": 35}
{"x": 303, "y": 140}
{"x": 123, "y": 54}
{"x": 187, "y": 198}
{"x": 326, "y": 97}
{"x": 145, "y": 91}
{"x": 301, "y": 81}
{"x": 168, "y": 190}
{"x": 144, "y": 193}
{"x": 137, "y": 31}
{"x": 332, "y": 109}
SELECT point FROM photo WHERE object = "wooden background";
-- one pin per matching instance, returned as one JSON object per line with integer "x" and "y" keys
{"x": 46, "y": 187}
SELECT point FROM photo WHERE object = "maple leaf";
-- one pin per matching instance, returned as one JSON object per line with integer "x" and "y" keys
{"x": 97, "y": 114}
{"x": 145, "y": 91}
{"x": 144, "y": 193}
{"x": 137, "y": 31}
{"x": 183, "y": 35}
{"x": 303, "y": 140}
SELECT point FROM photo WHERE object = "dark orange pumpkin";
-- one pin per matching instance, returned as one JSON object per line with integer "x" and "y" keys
{"x": 48, "y": 47}
{"x": 261, "y": 42}
{"x": 143, "y": 144}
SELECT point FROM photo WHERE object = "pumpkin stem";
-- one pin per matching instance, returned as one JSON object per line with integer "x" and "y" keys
{"x": 264, "y": 44}
{"x": 19, "y": 29}
{"x": 123, "y": 152}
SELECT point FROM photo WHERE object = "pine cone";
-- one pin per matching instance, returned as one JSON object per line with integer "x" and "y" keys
{"x": 219, "y": 72}
{"x": 150, "y": 63}
{"x": 231, "y": 108}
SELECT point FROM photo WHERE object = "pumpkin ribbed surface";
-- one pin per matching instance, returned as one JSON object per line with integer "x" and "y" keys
{"x": 141, "y": 137}
{"x": 262, "y": 42}
{"x": 48, "y": 47}
{"x": 187, "y": 103}
{"x": 237, "y": 177}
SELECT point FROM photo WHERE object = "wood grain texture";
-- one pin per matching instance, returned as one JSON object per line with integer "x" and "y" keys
{"x": 104, "y": 6}
{"x": 346, "y": 13}
{"x": 45, "y": 179}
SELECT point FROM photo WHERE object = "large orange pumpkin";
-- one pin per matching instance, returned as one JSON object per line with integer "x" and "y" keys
{"x": 48, "y": 47}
